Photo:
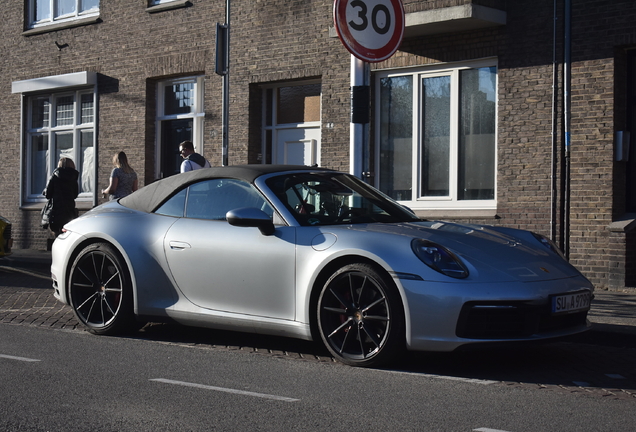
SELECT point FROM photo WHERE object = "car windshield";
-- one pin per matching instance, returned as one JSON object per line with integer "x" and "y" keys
{"x": 326, "y": 198}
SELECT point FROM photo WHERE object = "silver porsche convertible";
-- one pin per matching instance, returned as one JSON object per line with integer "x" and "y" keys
{"x": 314, "y": 254}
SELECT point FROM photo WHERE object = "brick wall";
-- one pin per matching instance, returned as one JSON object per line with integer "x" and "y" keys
{"x": 279, "y": 41}
{"x": 131, "y": 50}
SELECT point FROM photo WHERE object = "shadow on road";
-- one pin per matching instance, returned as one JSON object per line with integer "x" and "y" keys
{"x": 593, "y": 362}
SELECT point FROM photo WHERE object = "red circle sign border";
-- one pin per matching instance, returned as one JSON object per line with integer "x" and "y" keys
{"x": 351, "y": 44}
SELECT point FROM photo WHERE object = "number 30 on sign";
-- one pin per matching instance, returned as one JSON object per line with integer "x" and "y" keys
{"x": 372, "y": 30}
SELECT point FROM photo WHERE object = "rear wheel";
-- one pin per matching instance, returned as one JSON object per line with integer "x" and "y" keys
{"x": 100, "y": 290}
{"x": 360, "y": 316}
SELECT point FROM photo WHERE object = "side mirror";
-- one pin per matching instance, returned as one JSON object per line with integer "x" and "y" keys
{"x": 251, "y": 217}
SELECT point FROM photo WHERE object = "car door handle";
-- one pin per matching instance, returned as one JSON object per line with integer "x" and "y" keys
{"x": 177, "y": 245}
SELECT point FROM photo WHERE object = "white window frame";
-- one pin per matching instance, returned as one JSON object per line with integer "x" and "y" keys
{"x": 55, "y": 86}
{"x": 53, "y": 19}
{"x": 51, "y": 131}
{"x": 450, "y": 202}
{"x": 275, "y": 127}
{"x": 197, "y": 115}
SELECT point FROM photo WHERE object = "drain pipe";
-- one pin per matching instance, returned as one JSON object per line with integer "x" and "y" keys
{"x": 567, "y": 116}
{"x": 225, "y": 147}
{"x": 555, "y": 84}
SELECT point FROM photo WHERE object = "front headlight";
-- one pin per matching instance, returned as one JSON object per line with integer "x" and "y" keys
{"x": 546, "y": 242}
{"x": 439, "y": 258}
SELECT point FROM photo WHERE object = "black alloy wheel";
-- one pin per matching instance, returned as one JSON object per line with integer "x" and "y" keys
{"x": 360, "y": 316}
{"x": 100, "y": 290}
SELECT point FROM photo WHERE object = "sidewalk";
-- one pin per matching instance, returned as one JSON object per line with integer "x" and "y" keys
{"x": 32, "y": 261}
{"x": 612, "y": 311}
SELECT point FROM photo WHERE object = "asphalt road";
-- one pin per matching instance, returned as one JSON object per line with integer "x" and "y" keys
{"x": 598, "y": 364}
{"x": 57, "y": 380}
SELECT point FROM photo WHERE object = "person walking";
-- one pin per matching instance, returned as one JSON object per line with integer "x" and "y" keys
{"x": 123, "y": 179}
{"x": 192, "y": 160}
{"x": 61, "y": 191}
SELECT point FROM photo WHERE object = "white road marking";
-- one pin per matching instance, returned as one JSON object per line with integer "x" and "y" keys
{"x": 24, "y": 359}
{"x": 25, "y": 309}
{"x": 488, "y": 430}
{"x": 30, "y": 273}
{"x": 444, "y": 377}
{"x": 225, "y": 390}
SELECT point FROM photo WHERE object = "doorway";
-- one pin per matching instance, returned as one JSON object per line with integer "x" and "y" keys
{"x": 291, "y": 132}
{"x": 180, "y": 117}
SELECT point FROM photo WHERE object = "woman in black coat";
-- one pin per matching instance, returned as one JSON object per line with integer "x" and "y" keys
{"x": 61, "y": 191}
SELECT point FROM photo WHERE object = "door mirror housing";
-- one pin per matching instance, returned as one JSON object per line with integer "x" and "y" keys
{"x": 251, "y": 217}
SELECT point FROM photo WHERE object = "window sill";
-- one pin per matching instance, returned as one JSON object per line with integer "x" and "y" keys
{"x": 624, "y": 224}
{"x": 168, "y": 6}
{"x": 457, "y": 214}
{"x": 38, "y": 206}
{"x": 63, "y": 25}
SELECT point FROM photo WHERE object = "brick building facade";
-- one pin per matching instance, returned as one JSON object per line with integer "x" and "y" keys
{"x": 139, "y": 76}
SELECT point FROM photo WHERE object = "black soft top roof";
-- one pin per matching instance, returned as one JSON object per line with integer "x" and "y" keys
{"x": 148, "y": 198}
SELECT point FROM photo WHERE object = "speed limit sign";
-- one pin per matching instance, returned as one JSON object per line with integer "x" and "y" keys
{"x": 372, "y": 30}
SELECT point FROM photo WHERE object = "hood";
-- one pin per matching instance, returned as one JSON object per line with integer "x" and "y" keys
{"x": 66, "y": 174}
{"x": 512, "y": 254}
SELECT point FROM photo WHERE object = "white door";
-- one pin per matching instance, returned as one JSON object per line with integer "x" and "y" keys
{"x": 297, "y": 146}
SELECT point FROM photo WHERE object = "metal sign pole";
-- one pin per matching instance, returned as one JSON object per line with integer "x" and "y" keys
{"x": 359, "y": 126}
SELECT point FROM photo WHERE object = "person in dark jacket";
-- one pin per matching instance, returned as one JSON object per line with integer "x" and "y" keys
{"x": 61, "y": 191}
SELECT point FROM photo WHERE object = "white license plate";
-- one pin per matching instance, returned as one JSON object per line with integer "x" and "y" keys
{"x": 571, "y": 302}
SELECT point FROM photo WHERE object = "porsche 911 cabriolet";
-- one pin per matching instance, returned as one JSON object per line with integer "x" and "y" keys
{"x": 314, "y": 254}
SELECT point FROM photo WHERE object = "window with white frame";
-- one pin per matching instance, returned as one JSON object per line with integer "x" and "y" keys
{"x": 60, "y": 125}
{"x": 291, "y": 123}
{"x": 180, "y": 117}
{"x": 44, "y": 12}
{"x": 436, "y": 136}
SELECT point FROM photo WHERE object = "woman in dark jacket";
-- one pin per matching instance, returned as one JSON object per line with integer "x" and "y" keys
{"x": 61, "y": 191}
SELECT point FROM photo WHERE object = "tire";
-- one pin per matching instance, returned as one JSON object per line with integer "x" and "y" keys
{"x": 100, "y": 290}
{"x": 360, "y": 317}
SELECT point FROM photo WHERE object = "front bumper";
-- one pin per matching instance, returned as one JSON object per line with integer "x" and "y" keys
{"x": 446, "y": 316}
{"x": 513, "y": 320}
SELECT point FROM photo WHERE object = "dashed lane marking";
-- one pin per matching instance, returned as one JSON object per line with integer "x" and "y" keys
{"x": 488, "y": 430}
{"x": 24, "y": 359}
{"x": 226, "y": 390}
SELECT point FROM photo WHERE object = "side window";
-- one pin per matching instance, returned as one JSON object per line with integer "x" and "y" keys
{"x": 212, "y": 199}
{"x": 174, "y": 206}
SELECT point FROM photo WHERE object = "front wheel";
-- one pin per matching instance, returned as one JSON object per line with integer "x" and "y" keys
{"x": 360, "y": 316}
{"x": 100, "y": 290}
